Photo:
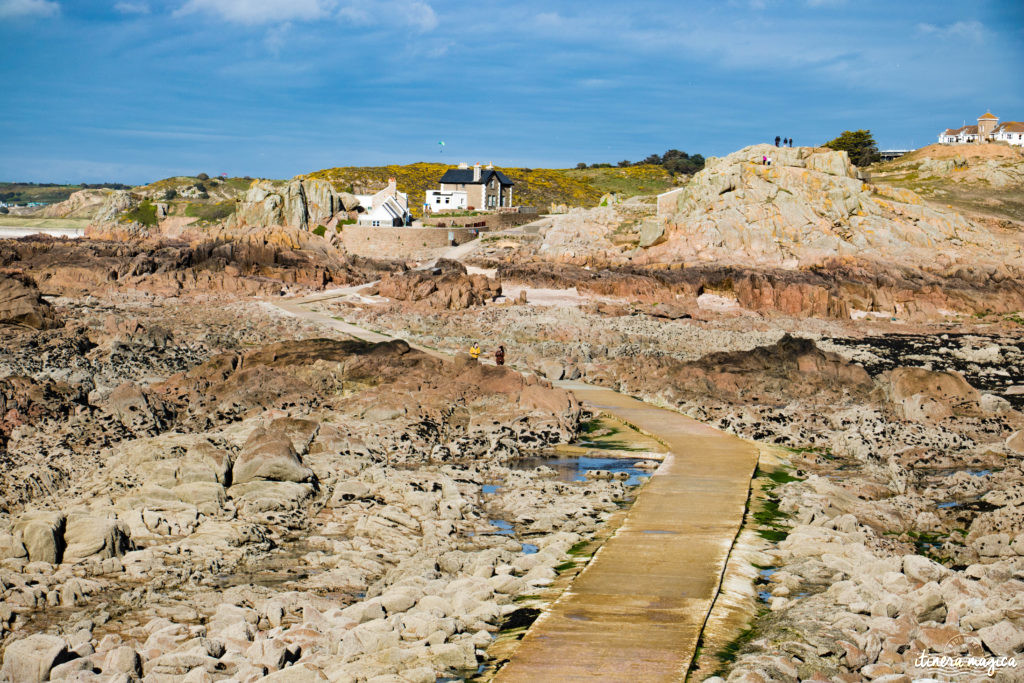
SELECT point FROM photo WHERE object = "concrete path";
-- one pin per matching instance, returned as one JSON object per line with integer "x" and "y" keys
{"x": 636, "y": 611}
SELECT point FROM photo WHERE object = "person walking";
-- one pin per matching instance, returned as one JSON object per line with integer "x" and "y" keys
{"x": 764, "y": 159}
{"x": 499, "y": 355}
{"x": 777, "y": 138}
{"x": 474, "y": 351}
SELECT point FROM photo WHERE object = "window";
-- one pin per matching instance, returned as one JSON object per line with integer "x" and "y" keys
{"x": 447, "y": 200}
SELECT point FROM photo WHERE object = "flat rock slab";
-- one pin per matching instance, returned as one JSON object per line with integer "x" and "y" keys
{"x": 635, "y": 613}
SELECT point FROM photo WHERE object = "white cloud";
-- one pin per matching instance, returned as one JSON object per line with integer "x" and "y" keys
{"x": 413, "y": 13}
{"x": 965, "y": 30}
{"x": 28, "y": 8}
{"x": 277, "y": 37}
{"x": 260, "y": 11}
{"x": 132, "y": 8}
{"x": 416, "y": 14}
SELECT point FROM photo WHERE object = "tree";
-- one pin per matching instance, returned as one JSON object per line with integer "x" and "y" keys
{"x": 203, "y": 176}
{"x": 625, "y": 163}
{"x": 581, "y": 165}
{"x": 859, "y": 144}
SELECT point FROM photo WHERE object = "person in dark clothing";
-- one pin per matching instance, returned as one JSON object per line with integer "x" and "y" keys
{"x": 499, "y": 355}
{"x": 777, "y": 138}
{"x": 791, "y": 142}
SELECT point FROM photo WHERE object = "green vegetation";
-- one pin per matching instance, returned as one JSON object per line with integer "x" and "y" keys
{"x": 732, "y": 649}
{"x": 320, "y": 230}
{"x": 859, "y": 144}
{"x": 47, "y": 193}
{"x": 144, "y": 213}
{"x": 536, "y": 187}
{"x": 770, "y": 520}
{"x": 674, "y": 161}
{"x": 210, "y": 213}
{"x": 579, "y": 548}
{"x": 45, "y": 222}
{"x": 565, "y": 566}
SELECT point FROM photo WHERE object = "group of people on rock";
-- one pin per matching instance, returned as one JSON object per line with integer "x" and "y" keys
{"x": 499, "y": 354}
{"x": 786, "y": 142}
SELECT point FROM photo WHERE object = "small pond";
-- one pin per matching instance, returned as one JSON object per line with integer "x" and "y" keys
{"x": 575, "y": 468}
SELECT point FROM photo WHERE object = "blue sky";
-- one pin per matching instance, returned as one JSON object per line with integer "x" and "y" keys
{"x": 135, "y": 90}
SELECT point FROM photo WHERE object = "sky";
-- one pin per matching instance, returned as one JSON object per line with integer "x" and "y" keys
{"x": 136, "y": 90}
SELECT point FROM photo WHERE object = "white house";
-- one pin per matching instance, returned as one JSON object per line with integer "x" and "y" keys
{"x": 446, "y": 200}
{"x": 478, "y": 188}
{"x": 988, "y": 129}
{"x": 1011, "y": 131}
{"x": 387, "y": 208}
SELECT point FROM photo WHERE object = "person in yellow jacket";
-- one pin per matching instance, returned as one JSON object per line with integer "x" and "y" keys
{"x": 474, "y": 351}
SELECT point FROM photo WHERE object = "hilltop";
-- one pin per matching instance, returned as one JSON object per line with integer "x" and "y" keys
{"x": 984, "y": 180}
{"x": 539, "y": 187}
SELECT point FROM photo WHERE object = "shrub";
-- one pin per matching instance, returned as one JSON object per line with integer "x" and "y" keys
{"x": 581, "y": 165}
{"x": 203, "y": 176}
{"x": 144, "y": 213}
{"x": 210, "y": 213}
{"x": 320, "y": 230}
{"x": 170, "y": 194}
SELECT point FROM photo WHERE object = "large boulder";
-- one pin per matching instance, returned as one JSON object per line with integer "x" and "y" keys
{"x": 30, "y": 659}
{"x": 269, "y": 455}
{"x": 21, "y": 304}
{"x": 42, "y": 533}
{"x": 88, "y": 536}
{"x": 929, "y": 395}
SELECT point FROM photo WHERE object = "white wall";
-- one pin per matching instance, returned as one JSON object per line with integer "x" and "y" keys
{"x": 446, "y": 200}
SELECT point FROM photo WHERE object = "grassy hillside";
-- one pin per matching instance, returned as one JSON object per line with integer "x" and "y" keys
{"x": 539, "y": 187}
{"x": 978, "y": 179}
{"x": 24, "y": 193}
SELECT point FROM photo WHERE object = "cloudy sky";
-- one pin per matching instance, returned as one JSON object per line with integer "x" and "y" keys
{"x": 133, "y": 90}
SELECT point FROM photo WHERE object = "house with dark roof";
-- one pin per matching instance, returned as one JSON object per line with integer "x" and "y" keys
{"x": 477, "y": 188}
{"x": 988, "y": 130}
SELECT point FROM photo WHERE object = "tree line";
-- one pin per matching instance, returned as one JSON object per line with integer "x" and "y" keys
{"x": 674, "y": 161}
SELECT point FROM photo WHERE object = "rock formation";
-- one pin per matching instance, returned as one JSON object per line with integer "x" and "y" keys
{"x": 21, "y": 304}
{"x": 300, "y": 204}
{"x": 809, "y": 206}
{"x": 445, "y": 286}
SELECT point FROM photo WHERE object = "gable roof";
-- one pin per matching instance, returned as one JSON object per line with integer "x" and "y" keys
{"x": 465, "y": 175}
{"x": 1010, "y": 127}
{"x": 988, "y": 115}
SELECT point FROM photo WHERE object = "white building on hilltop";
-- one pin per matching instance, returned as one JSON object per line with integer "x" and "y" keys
{"x": 387, "y": 208}
{"x": 988, "y": 130}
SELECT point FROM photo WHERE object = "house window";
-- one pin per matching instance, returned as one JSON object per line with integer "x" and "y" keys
{"x": 437, "y": 200}
{"x": 446, "y": 200}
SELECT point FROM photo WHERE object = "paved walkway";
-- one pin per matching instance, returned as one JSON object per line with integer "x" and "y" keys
{"x": 636, "y": 611}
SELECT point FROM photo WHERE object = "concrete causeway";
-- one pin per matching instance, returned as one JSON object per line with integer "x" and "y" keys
{"x": 636, "y": 612}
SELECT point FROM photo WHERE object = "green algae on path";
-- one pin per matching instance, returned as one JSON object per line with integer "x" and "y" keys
{"x": 637, "y": 611}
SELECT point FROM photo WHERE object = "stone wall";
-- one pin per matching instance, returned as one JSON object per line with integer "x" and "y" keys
{"x": 487, "y": 221}
{"x": 402, "y": 243}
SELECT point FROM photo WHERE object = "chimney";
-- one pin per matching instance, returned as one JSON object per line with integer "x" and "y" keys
{"x": 463, "y": 165}
{"x": 476, "y": 173}
{"x": 392, "y": 186}
{"x": 489, "y": 166}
